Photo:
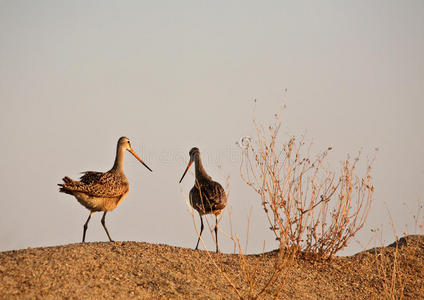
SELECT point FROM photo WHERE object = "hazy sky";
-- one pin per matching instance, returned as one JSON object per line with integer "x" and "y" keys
{"x": 170, "y": 75}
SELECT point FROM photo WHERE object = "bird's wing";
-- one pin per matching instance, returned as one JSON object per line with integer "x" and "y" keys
{"x": 215, "y": 193}
{"x": 97, "y": 184}
{"x": 210, "y": 197}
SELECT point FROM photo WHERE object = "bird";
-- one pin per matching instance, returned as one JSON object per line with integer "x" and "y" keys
{"x": 206, "y": 196}
{"x": 98, "y": 191}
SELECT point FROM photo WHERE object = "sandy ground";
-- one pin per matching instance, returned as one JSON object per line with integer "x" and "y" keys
{"x": 125, "y": 270}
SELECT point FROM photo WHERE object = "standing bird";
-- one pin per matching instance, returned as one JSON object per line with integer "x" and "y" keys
{"x": 206, "y": 196}
{"x": 99, "y": 191}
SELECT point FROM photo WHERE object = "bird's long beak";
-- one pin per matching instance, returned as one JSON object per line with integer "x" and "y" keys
{"x": 188, "y": 167}
{"x": 136, "y": 156}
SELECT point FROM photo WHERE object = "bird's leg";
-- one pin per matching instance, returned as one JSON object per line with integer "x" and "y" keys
{"x": 86, "y": 226}
{"x": 201, "y": 230}
{"x": 104, "y": 226}
{"x": 216, "y": 233}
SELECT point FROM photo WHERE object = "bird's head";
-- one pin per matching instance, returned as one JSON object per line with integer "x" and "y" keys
{"x": 194, "y": 154}
{"x": 124, "y": 143}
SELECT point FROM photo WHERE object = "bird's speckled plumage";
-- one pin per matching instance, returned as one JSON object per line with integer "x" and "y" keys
{"x": 98, "y": 191}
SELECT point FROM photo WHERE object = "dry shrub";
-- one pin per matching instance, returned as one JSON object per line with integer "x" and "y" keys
{"x": 309, "y": 207}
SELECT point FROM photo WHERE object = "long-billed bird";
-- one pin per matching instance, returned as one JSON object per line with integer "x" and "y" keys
{"x": 206, "y": 196}
{"x": 99, "y": 191}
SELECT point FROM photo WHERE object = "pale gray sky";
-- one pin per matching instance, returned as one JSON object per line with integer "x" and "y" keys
{"x": 170, "y": 75}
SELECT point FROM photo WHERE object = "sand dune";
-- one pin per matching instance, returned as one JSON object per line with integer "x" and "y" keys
{"x": 126, "y": 270}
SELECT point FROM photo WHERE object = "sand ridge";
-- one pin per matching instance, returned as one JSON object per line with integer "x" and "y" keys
{"x": 138, "y": 270}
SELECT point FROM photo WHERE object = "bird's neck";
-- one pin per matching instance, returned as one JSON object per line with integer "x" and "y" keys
{"x": 201, "y": 175}
{"x": 119, "y": 159}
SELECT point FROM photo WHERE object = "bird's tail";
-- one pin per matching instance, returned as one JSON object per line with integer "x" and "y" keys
{"x": 63, "y": 188}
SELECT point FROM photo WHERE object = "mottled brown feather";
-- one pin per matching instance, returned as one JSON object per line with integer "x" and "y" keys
{"x": 97, "y": 184}
{"x": 208, "y": 197}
